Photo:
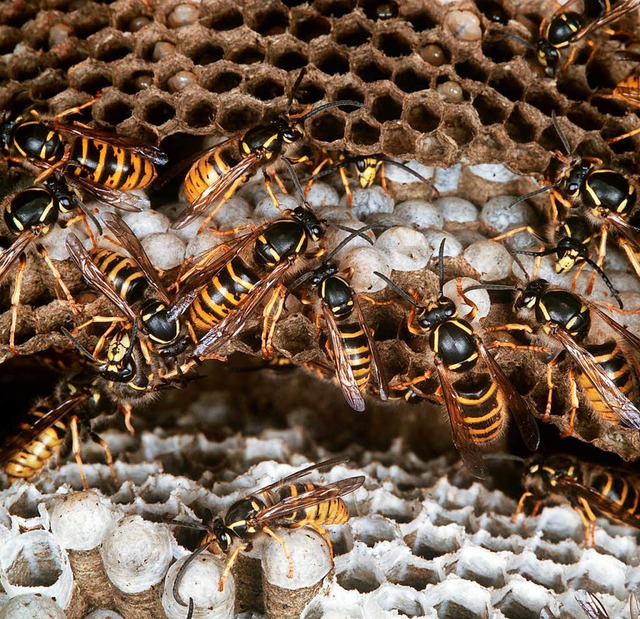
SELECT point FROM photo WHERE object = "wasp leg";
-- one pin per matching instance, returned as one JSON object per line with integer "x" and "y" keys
{"x": 278, "y": 180}
{"x": 229, "y": 565}
{"x": 573, "y": 394}
{"x": 602, "y": 252}
{"x": 373, "y": 301}
{"x": 268, "y": 182}
{"x": 75, "y": 307}
{"x": 322, "y": 531}
{"x": 510, "y": 326}
{"x": 315, "y": 171}
{"x": 588, "y": 520}
{"x": 75, "y": 442}
{"x": 512, "y": 346}
{"x": 345, "y": 182}
{"x": 550, "y": 388}
{"x": 632, "y": 256}
{"x": 474, "y": 308}
{"x": 280, "y": 541}
{"x": 76, "y": 109}
{"x": 536, "y": 509}
{"x": 127, "y": 411}
{"x": 574, "y": 280}
{"x": 624, "y": 136}
{"x": 15, "y": 302}
{"x": 272, "y": 312}
{"x": 520, "y": 506}
{"x": 100, "y": 441}
{"x": 514, "y": 231}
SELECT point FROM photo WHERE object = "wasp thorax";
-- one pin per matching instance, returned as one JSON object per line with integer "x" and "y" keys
{"x": 530, "y": 295}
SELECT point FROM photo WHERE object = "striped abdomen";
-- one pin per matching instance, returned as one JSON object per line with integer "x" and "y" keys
{"x": 222, "y": 294}
{"x": 328, "y": 512}
{"x": 122, "y": 272}
{"x": 622, "y": 494}
{"x": 613, "y": 361}
{"x": 110, "y": 166}
{"x": 35, "y": 455}
{"x": 482, "y": 406}
{"x": 38, "y": 143}
{"x": 208, "y": 170}
{"x": 358, "y": 352}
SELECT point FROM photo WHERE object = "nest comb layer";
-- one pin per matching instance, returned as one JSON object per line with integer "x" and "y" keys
{"x": 222, "y": 66}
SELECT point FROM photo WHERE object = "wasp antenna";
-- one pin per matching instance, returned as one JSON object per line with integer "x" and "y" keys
{"x": 504, "y": 457}
{"x": 546, "y": 252}
{"x": 495, "y": 287}
{"x": 533, "y": 194}
{"x": 326, "y": 106}
{"x": 79, "y": 346}
{"x": 519, "y": 263}
{"x": 190, "y": 611}
{"x": 513, "y": 37}
{"x": 406, "y": 168}
{"x": 295, "y": 179}
{"x": 183, "y": 569}
{"x": 606, "y": 280}
{"x": 294, "y": 90}
{"x": 134, "y": 334}
{"x": 354, "y": 233}
{"x": 397, "y": 288}
{"x": 561, "y": 134}
{"x": 441, "y": 264}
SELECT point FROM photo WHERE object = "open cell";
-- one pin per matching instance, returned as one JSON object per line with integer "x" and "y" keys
{"x": 422, "y": 118}
{"x": 327, "y": 128}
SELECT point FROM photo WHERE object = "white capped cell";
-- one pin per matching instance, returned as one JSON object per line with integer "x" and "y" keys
{"x": 495, "y": 172}
{"x": 81, "y": 520}
{"x": 267, "y": 210}
{"x": 367, "y": 202}
{"x": 452, "y": 246}
{"x": 200, "y": 582}
{"x": 232, "y": 211}
{"x": 334, "y": 236}
{"x": 400, "y": 175}
{"x": 419, "y": 214}
{"x": 204, "y": 241}
{"x": 456, "y": 210}
{"x": 146, "y": 223}
{"x": 490, "y": 259}
{"x": 136, "y": 554}
{"x": 447, "y": 179}
{"x": 31, "y": 606}
{"x": 501, "y": 217}
{"x": 364, "y": 261}
{"x": 479, "y": 297}
{"x": 405, "y": 249}
{"x": 463, "y": 25}
{"x": 322, "y": 194}
{"x": 165, "y": 250}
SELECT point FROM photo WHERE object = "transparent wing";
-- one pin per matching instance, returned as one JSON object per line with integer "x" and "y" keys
{"x": 9, "y": 255}
{"x": 617, "y": 12}
{"x": 591, "y": 605}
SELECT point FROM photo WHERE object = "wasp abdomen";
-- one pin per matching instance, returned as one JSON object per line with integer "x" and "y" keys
{"x": 483, "y": 407}
{"x": 123, "y": 273}
{"x": 334, "y": 511}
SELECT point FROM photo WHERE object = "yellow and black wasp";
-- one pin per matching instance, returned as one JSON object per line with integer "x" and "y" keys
{"x": 287, "y": 503}
{"x": 350, "y": 344}
{"x": 478, "y": 403}
{"x": 566, "y": 27}
{"x": 607, "y": 377}
{"x": 589, "y": 488}
{"x": 218, "y": 172}
{"x": 29, "y": 215}
{"x": 54, "y": 426}
{"x": 104, "y": 165}
{"x": 603, "y": 196}
{"x": 367, "y": 168}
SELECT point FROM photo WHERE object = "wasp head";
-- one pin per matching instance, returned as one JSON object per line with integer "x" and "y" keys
{"x": 436, "y": 313}
{"x": 548, "y": 57}
{"x": 531, "y": 294}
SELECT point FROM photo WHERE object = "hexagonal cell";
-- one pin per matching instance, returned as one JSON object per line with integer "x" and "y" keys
{"x": 135, "y": 81}
{"x": 394, "y": 43}
{"x": 238, "y": 118}
{"x": 422, "y": 19}
{"x": 269, "y": 21}
{"x": 327, "y": 127}
{"x": 574, "y": 89}
{"x": 471, "y": 70}
{"x": 520, "y": 127}
{"x": 550, "y": 140}
{"x": 349, "y": 92}
{"x": 290, "y": 60}
{"x": 499, "y": 49}
{"x": 351, "y": 33}
{"x": 334, "y": 8}
{"x": 90, "y": 77}
{"x": 310, "y": 92}
{"x": 114, "y": 111}
{"x": 265, "y": 88}
{"x": 423, "y": 117}
{"x": 250, "y": 53}
{"x": 358, "y": 577}
{"x": 372, "y": 70}
{"x": 158, "y": 111}
{"x": 225, "y": 18}
{"x": 220, "y": 79}
{"x": 203, "y": 52}
{"x": 308, "y": 25}
{"x": 507, "y": 85}
{"x": 398, "y": 140}
{"x": 89, "y": 19}
{"x": 490, "y": 109}
{"x": 199, "y": 113}
{"x": 547, "y": 102}
{"x": 9, "y": 38}
{"x": 410, "y": 80}
{"x": 47, "y": 85}
{"x": 332, "y": 62}
{"x": 364, "y": 133}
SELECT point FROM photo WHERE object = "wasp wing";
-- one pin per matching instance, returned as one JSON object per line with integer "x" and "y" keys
{"x": 9, "y": 255}
{"x": 344, "y": 373}
{"x": 617, "y": 12}
{"x": 214, "y": 192}
{"x": 516, "y": 404}
{"x": 126, "y": 237}
{"x": 376, "y": 365}
{"x": 95, "y": 277}
{"x": 591, "y": 605}
{"x": 628, "y": 231}
{"x": 462, "y": 439}
{"x": 123, "y": 200}
{"x": 13, "y": 442}
{"x": 303, "y": 501}
{"x": 606, "y": 388}
{"x": 629, "y": 89}
{"x": 229, "y": 326}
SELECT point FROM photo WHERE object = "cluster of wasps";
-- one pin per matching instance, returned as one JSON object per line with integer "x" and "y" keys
{"x": 164, "y": 328}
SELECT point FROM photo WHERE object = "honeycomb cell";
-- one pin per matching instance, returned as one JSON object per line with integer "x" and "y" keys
{"x": 386, "y": 108}
{"x": 574, "y": 89}
{"x": 9, "y": 38}
{"x": 421, "y": 20}
{"x": 372, "y": 71}
{"x": 471, "y": 70}
{"x": 358, "y": 578}
{"x": 228, "y": 18}
{"x": 364, "y": 133}
{"x": 47, "y": 85}
{"x": 520, "y": 127}
{"x": 332, "y": 62}
{"x": 238, "y": 118}
{"x": 422, "y": 117}
{"x": 490, "y": 109}
{"x": 585, "y": 118}
{"x": 327, "y": 128}
{"x": 351, "y": 33}
{"x": 409, "y": 80}
{"x": 310, "y": 92}
{"x": 459, "y": 128}
{"x": 394, "y": 44}
{"x": 220, "y": 80}
{"x": 265, "y": 88}
{"x": 92, "y": 80}
{"x": 113, "y": 112}
{"x": 434, "y": 54}
{"x": 248, "y": 54}
{"x": 199, "y": 113}
{"x": 545, "y": 101}
{"x": 550, "y": 140}
{"x": 290, "y": 60}
{"x": 334, "y": 8}
{"x": 111, "y": 48}
{"x": 183, "y": 15}
{"x": 204, "y": 52}
{"x": 89, "y": 20}
{"x": 308, "y": 26}
{"x": 135, "y": 81}
{"x": 498, "y": 49}
{"x": 268, "y": 22}
{"x": 507, "y": 85}
{"x": 349, "y": 92}
{"x": 398, "y": 140}
{"x": 158, "y": 111}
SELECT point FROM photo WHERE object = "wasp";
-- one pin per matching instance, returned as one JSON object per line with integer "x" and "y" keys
{"x": 367, "y": 169}
{"x": 477, "y": 403}
{"x": 217, "y": 173}
{"x": 29, "y": 215}
{"x": 104, "y": 165}
{"x": 607, "y": 377}
{"x": 565, "y": 28}
{"x": 589, "y": 488}
{"x": 221, "y": 292}
{"x": 125, "y": 280}
{"x": 53, "y": 427}
{"x": 287, "y": 503}
{"x": 605, "y": 197}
